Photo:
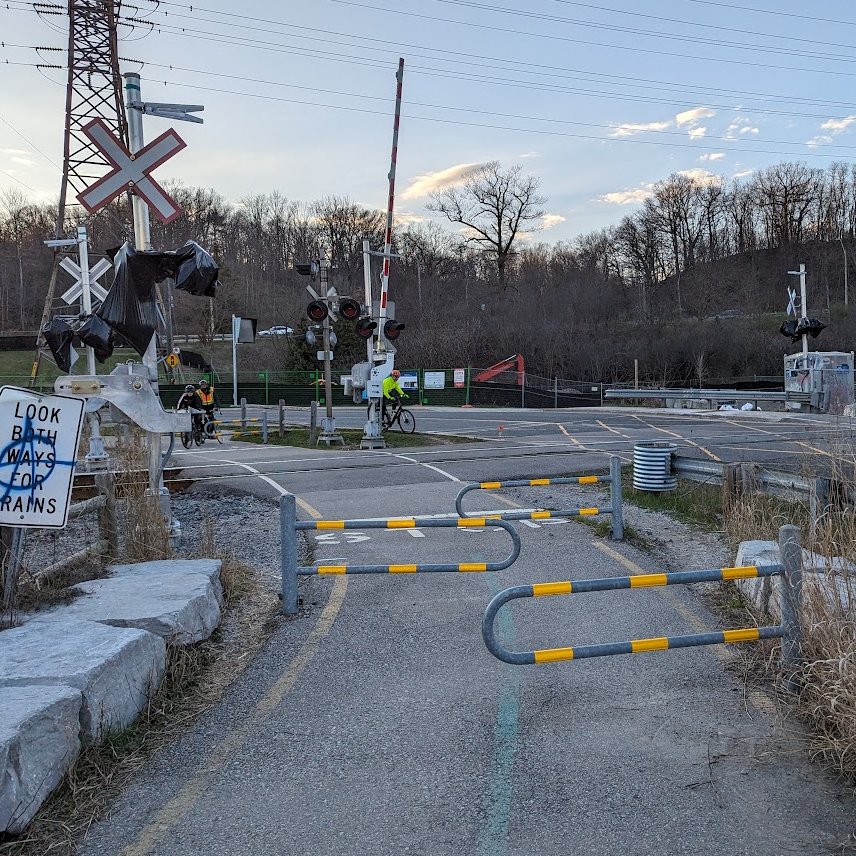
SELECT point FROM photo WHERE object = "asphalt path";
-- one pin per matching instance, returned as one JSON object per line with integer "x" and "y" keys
{"x": 376, "y": 722}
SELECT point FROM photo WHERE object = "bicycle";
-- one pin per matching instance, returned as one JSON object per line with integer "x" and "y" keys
{"x": 200, "y": 430}
{"x": 400, "y": 415}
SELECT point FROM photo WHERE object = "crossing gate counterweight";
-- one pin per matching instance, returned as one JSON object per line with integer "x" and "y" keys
{"x": 291, "y": 570}
{"x": 615, "y": 508}
{"x": 789, "y": 630}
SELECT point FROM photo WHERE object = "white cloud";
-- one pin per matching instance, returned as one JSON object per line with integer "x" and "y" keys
{"x": 712, "y": 156}
{"x": 626, "y": 197}
{"x": 743, "y": 173}
{"x": 14, "y": 152}
{"x": 692, "y": 117}
{"x": 697, "y": 133}
{"x": 746, "y": 129}
{"x": 408, "y": 218}
{"x": 424, "y": 185}
{"x": 550, "y": 220}
{"x": 23, "y": 161}
{"x": 527, "y": 155}
{"x": 740, "y": 125}
{"x": 630, "y": 129}
{"x": 838, "y": 125}
{"x": 820, "y": 140}
{"x": 700, "y": 176}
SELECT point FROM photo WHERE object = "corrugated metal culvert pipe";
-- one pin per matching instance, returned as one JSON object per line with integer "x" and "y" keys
{"x": 652, "y": 466}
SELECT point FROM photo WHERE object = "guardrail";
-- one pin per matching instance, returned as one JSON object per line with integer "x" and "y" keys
{"x": 713, "y": 395}
{"x": 789, "y": 631}
{"x": 615, "y": 508}
{"x": 289, "y": 527}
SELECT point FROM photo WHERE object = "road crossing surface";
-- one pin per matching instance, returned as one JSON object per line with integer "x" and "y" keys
{"x": 376, "y": 722}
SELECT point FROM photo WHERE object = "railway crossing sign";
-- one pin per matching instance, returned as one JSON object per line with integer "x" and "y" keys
{"x": 74, "y": 293}
{"x": 131, "y": 171}
{"x": 792, "y": 307}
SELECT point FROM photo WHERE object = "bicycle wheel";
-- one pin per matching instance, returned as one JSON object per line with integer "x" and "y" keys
{"x": 186, "y": 439}
{"x": 198, "y": 436}
{"x": 406, "y": 421}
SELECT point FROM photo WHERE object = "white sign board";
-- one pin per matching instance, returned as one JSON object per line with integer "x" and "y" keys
{"x": 434, "y": 380}
{"x": 39, "y": 436}
{"x": 409, "y": 381}
{"x": 460, "y": 378}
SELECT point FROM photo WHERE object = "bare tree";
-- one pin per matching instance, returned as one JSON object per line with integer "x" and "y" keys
{"x": 496, "y": 206}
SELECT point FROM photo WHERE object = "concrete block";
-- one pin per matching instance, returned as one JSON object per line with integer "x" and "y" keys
{"x": 115, "y": 668}
{"x": 208, "y": 567}
{"x": 181, "y": 608}
{"x": 39, "y": 740}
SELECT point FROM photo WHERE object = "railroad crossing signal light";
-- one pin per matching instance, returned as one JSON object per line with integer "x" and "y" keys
{"x": 392, "y": 329}
{"x": 308, "y": 269}
{"x": 317, "y": 311}
{"x": 348, "y": 308}
{"x": 366, "y": 328}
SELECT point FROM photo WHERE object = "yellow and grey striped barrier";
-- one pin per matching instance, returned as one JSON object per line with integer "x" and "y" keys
{"x": 289, "y": 526}
{"x": 613, "y": 480}
{"x": 632, "y": 646}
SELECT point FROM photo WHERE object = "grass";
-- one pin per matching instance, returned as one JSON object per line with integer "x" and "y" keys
{"x": 394, "y": 439}
{"x": 693, "y": 502}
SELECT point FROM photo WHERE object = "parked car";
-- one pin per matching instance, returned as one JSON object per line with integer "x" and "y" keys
{"x": 276, "y": 331}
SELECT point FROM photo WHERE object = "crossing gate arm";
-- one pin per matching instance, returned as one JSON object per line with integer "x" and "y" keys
{"x": 613, "y": 480}
{"x": 634, "y": 646}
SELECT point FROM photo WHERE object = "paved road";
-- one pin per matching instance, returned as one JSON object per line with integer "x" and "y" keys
{"x": 377, "y": 723}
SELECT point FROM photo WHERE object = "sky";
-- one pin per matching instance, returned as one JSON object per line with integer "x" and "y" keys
{"x": 598, "y": 101}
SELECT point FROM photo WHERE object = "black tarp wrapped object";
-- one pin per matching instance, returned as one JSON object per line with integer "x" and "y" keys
{"x": 59, "y": 336}
{"x": 130, "y": 307}
{"x": 795, "y": 329}
{"x": 97, "y": 335}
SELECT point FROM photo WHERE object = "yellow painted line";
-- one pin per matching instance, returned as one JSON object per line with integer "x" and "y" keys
{"x": 751, "y": 427}
{"x": 679, "y": 437}
{"x": 813, "y": 448}
{"x": 310, "y": 510}
{"x": 747, "y": 634}
{"x": 330, "y": 524}
{"x": 553, "y": 655}
{"x": 160, "y": 826}
{"x": 471, "y": 521}
{"x": 402, "y": 569}
{"x": 614, "y": 430}
{"x": 332, "y": 569}
{"x": 400, "y": 524}
{"x": 658, "y": 643}
{"x": 587, "y": 512}
{"x": 540, "y": 515}
{"x": 539, "y": 482}
{"x": 563, "y": 429}
{"x": 739, "y": 573}
{"x": 588, "y": 479}
{"x": 546, "y": 589}
{"x": 490, "y": 485}
{"x": 472, "y": 566}
{"x": 646, "y": 580}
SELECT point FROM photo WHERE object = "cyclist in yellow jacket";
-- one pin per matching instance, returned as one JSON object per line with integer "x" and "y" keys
{"x": 392, "y": 391}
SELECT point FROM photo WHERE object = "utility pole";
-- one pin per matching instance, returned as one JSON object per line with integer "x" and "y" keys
{"x": 844, "y": 250}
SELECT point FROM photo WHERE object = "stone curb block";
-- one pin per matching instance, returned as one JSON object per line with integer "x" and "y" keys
{"x": 208, "y": 567}
{"x": 39, "y": 740}
{"x": 115, "y": 669}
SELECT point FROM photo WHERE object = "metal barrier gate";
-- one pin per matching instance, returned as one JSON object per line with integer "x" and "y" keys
{"x": 289, "y": 526}
{"x": 615, "y": 509}
{"x": 789, "y": 630}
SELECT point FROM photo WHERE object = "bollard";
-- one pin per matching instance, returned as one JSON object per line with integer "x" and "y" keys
{"x": 288, "y": 540}
{"x": 615, "y": 498}
{"x": 107, "y": 519}
{"x": 264, "y": 427}
{"x": 243, "y": 414}
{"x": 791, "y": 553}
{"x": 313, "y": 422}
{"x": 281, "y": 417}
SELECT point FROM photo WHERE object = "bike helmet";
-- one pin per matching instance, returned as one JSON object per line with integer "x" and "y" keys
{"x": 396, "y": 373}
{"x": 203, "y": 383}
{"x": 190, "y": 388}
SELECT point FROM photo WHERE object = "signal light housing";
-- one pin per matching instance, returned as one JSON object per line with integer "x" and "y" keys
{"x": 392, "y": 329}
{"x": 366, "y": 328}
{"x": 348, "y": 308}
{"x": 317, "y": 311}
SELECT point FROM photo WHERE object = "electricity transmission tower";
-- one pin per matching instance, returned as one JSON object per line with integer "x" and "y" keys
{"x": 93, "y": 91}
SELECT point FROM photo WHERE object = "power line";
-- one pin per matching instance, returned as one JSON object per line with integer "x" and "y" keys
{"x": 778, "y": 13}
{"x": 22, "y": 183}
{"x": 30, "y": 143}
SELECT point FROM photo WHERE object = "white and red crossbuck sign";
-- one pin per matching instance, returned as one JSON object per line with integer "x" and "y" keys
{"x": 131, "y": 172}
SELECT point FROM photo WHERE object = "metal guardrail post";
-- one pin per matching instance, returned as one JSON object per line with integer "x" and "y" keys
{"x": 107, "y": 520}
{"x": 288, "y": 540}
{"x": 615, "y": 498}
{"x": 243, "y": 414}
{"x": 791, "y": 555}
{"x": 264, "y": 427}
{"x": 281, "y": 417}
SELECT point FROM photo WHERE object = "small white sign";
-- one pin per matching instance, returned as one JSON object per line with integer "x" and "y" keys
{"x": 39, "y": 435}
{"x": 460, "y": 378}
{"x": 434, "y": 380}
{"x": 409, "y": 381}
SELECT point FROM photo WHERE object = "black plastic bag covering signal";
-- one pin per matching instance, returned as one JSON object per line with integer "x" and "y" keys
{"x": 59, "y": 336}
{"x": 97, "y": 334}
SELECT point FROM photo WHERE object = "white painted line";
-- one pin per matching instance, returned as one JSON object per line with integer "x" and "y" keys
{"x": 429, "y": 467}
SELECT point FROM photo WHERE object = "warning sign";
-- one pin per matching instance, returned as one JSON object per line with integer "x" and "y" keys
{"x": 172, "y": 361}
{"x": 38, "y": 447}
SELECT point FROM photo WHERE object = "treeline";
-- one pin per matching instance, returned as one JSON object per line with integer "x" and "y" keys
{"x": 692, "y": 283}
